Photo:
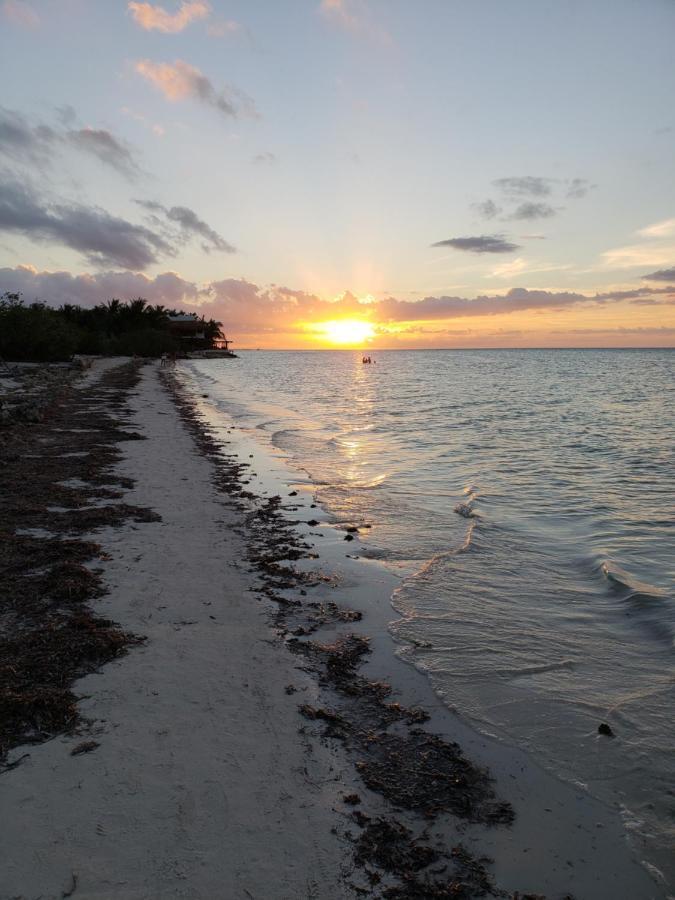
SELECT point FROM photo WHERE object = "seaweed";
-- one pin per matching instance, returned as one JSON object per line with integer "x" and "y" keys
{"x": 407, "y": 767}
{"x": 49, "y": 635}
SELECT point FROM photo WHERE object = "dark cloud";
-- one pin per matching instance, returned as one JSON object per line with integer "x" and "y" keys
{"x": 661, "y": 275}
{"x": 634, "y": 293}
{"x": 487, "y": 209}
{"x": 528, "y": 211}
{"x": 264, "y": 158}
{"x": 101, "y": 238}
{"x": 486, "y": 243}
{"x": 107, "y": 148}
{"x": 525, "y": 185}
{"x": 516, "y": 300}
{"x": 190, "y": 225}
{"x": 22, "y": 141}
{"x": 578, "y": 188}
{"x": 57, "y": 288}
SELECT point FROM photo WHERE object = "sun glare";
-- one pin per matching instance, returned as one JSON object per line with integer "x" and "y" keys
{"x": 345, "y": 331}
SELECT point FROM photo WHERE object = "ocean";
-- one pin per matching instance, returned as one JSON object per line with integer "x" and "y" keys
{"x": 525, "y": 500}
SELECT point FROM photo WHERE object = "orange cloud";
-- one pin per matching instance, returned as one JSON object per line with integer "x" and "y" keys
{"x": 182, "y": 81}
{"x": 20, "y": 13}
{"x": 156, "y": 18}
{"x": 176, "y": 81}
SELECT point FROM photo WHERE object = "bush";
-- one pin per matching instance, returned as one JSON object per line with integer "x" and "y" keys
{"x": 35, "y": 333}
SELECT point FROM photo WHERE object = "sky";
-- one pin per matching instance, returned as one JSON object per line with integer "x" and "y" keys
{"x": 426, "y": 173}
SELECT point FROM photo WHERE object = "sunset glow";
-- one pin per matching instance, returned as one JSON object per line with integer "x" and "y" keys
{"x": 344, "y": 332}
{"x": 358, "y": 208}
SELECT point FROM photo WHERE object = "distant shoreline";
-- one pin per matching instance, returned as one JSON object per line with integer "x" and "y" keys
{"x": 436, "y": 349}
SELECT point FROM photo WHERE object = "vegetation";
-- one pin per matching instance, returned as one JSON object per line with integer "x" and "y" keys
{"x": 40, "y": 333}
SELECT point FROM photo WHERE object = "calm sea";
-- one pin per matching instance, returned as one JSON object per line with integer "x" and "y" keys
{"x": 527, "y": 500}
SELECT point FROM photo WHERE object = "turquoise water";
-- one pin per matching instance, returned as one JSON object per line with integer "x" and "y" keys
{"x": 527, "y": 501}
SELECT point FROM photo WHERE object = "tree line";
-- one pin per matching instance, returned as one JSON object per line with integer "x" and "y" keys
{"x": 40, "y": 333}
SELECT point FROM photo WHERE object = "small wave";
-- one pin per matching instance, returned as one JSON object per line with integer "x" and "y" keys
{"x": 624, "y": 583}
{"x": 278, "y": 437}
{"x": 541, "y": 669}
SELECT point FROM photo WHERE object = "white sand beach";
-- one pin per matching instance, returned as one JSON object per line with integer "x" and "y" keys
{"x": 201, "y": 785}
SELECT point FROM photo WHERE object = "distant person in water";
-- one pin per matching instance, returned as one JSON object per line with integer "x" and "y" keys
{"x": 366, "y": 359}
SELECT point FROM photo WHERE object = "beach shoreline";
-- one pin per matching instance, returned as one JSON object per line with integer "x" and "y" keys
{"x": 224, "y": 748}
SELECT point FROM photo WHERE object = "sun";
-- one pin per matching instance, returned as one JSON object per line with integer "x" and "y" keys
{"x": 345, "y": 331}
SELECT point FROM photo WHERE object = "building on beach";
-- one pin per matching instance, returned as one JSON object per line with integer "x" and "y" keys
{"x": 196, "y": 334}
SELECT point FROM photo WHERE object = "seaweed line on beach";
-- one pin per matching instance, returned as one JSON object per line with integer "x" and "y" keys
{"x": 58, "y": 485}
{"x": 415, "y": 773}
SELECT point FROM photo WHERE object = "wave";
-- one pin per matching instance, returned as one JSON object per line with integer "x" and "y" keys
{"x": 623, "y": 581}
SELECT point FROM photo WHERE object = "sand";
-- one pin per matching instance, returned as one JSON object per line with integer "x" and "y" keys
{"x": 202, "y": 784}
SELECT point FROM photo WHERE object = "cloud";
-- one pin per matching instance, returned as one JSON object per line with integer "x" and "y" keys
{"x": 529, "y": 211}
{"x": 58, "y": 288}
{"x": 101, "y": 238}
{"x": 181, "y": 81}
{"x": 21, "y": 140}
{"x": 525, "y": 185}
{"x": 637, "y": 255}
{"x": 190, "y": 225}
{"x": 103, "y": 145}
{"x": 264, "y": 158}
{"x": 487, "y": 209}
{"x": 515, "y": 300}
{"x": 659, "y": 229}
{"x": 19, "y": 13}
{"x": 520, "y": 266}
{"x": 638, "y": 329}
{"x": 578, "y": 188}
{"x": 152, "y": 17}
{"x": 247, "y": 308}
{"x": 485, "y": 243}
{"x": 661, "y": 275}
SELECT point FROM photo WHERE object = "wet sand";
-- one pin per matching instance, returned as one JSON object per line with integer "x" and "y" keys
{"x": 263, "y": 740}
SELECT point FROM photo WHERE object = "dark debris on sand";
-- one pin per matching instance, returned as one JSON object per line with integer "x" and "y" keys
{"x": 412, "y": 770}
{"x": 49, "y": 635}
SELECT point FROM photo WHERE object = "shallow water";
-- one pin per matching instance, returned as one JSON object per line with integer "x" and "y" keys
{"x": 527, "y": 500}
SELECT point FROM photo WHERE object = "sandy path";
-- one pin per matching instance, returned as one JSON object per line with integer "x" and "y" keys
{"x": 202, "y": 786}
